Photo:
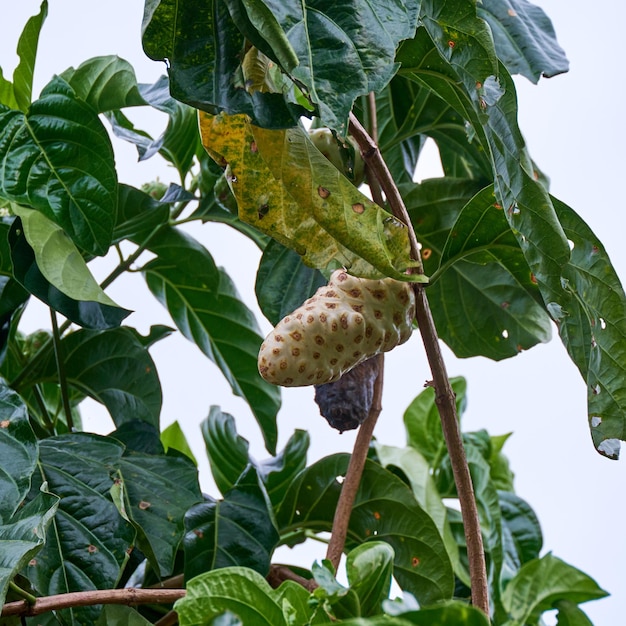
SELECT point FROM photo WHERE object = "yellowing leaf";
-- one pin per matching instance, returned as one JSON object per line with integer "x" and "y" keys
{"x": 287, "y": 189}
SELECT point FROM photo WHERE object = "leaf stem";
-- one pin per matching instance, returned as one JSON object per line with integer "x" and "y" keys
{"x": 58, "y": 355}
{"x": 129, "y": 596}
{"x": 29, "y": 597}
{"x": 444, "y": 395}
{"x": 353, "y": 474}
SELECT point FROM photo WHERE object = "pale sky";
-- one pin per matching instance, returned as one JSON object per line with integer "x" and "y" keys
{"x": 574, "y": 130}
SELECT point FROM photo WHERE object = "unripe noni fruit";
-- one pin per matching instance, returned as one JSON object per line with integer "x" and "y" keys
{"x": 346, "y": 322}
{"x": 348, "y": 161}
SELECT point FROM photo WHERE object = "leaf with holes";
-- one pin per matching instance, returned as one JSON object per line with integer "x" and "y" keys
{"x": 592, "y": 326}
{"x": 287, "y": 189}
{"x": 58, "y": 159}
{"x": 524, "y": 38}
{"x": 237, "y": 530}
{"x": 206, "y": 308}
{"x": 384, "y": 510}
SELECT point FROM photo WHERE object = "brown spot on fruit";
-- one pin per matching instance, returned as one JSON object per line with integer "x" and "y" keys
{"x": 296, "y": 335}
{"x": 339, "y": 347}
{"x": 378, "y": 314}
{"x": 319, "y": 340}
{"x": 295, "y": 351}
{"x": 343, "y": 320}
{"x": 316, "y": 355}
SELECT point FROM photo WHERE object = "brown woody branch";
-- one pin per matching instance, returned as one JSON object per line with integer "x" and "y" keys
{"x": 444, "y": 395}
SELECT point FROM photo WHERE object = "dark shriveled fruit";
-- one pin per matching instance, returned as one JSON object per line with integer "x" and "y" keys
{"x": 347, "y": 402}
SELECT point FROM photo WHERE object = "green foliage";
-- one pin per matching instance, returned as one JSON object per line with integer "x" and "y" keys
{"x": 504, "y": 259}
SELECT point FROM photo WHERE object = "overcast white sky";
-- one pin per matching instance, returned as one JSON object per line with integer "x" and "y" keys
{"x": 574, "y": 128}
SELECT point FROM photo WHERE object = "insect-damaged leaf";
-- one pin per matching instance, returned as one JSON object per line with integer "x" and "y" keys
{"x": 286, "y": 188}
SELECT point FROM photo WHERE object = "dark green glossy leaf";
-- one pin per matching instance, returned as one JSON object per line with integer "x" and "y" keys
{"x": 105, "y": 83}
{"x": 457, "y": 61}
{"x": 542, "y": 582}
{"x": 448, "y": 614}
{"x": 158, "y": 490}
{"x": 205, "y": 307}
{"x": 521, "y": 534}
{"x": 18, "y": 452}
{"x": 237, "y": 530}
{"x": 369, "y": 568}
{"x": 283, "y": 282}
{"x": 13, "y": 298}
{"x": 27, "y": 52}
{"x": 138, "y": 216}
{"x": 87, "y": 313}
{"x": 202, "y": 45}
{"x": 227, "y": 451}
{"x": 592, "y": 326}
{"x": 120, "y": 615}
{"x": 22, "y": 537}
{"x": 524, "y": 38}
{"x": 113, "y": 368}
{"x": 240, "y": 590}
{"x": 423, "y": 424}
{"x": 91, "y": 541}
{"x": 501, "y": 473}
{"x": 384, "y": 510}
{"x": 58, "y": 159}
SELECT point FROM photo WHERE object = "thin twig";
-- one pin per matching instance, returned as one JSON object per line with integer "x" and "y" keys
{"x": 444, "y": 395}
{"x": 58, "y": 355}
{"x": 90, "y": 598}
{"x": 280, "y": 573}
{"x": 353, "y": 474}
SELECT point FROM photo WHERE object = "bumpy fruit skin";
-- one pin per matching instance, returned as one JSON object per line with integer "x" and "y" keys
{"x": 346, "y": 402}
{"x": 354, "y": 168}
{"x": 346, "y": 322}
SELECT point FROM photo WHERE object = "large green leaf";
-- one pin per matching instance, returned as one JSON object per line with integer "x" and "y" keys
{"x": 27, "y": 52}
{"x": 453, "y": 55}
{"x": 23, "y": 536}
{"x": 18, "y": 452}
{"x": 384, "y": 510}
{"x": 58, "y": 259}
{"x": 139, "y": 215}
{"x": 113, "y": 368}
{"x": 239, "y": 590}
{"x": 237, "y": 530}
{"x": 58, "y": 159}
{"x": 85, "y": 313}
{"x": 541, "y": 583}
{"x": 158, "y": 491}
{"x": 524, "y": 38}
{"x": 89, "y": 542}
{"x": 283, "y": 282}
{"x": 448, "y": 614}
{"x": 205, "y": 307}
{"x": 203, "y": 45}
{"x": 287, "y": 189}
{"x": 592, "y": 325}
{"x": 571, "y": 615}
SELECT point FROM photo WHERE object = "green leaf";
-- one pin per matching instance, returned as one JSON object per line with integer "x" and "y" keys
{"x": 369, "y": 568}
{"x": 204, "y": 60}
{"x": 23, "y": 536}
{"x": 295, "y": 601}
{"x": 454, "y": 56}
{"x": 105, "y": 83}
{"x": 27, "y": 52}
{"x": 448, "y": 614}
{"x": 287, "y": 189}
{"x": 138, "y": 215}
{"x": 384, "y": 509}
{"x": 113, "y": 368}
{"x": 541, "y": 583}
{"x": 227, "y": 451}
{"x": 58, "y": 159}
{"x": 423, "y": 424}
{"x": 570, "y": 615}
{"x": 501, "y": 473}
{"x": 521, "y": 534}
{"x": 119, "y": 615}
{"x": 89, "y": 545}
{"x": 592, "y": 326}
{"x": 283, "y": 282}
{"x": 524, "y": 38}
{"x": 7, "y": 93}
{"x": 158, "y": 492}
{"x": 242, "y": 591}
{"x": 58, "y": 258}
{"x": 174, "y": 437}
{"x": 237, "y": 530}
{"x": 206, "y": 308}
{"x": 86, "y": 313}
{"x": 18, "y": 452}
